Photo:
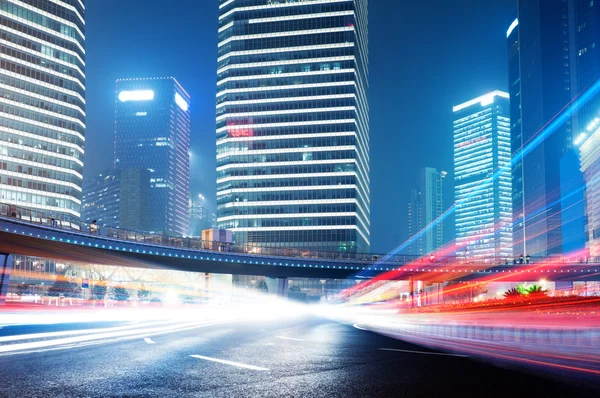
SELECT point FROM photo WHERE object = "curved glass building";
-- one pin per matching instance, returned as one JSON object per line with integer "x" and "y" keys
{"x": 42, "y": 105}
{"x": 293, "y": 123}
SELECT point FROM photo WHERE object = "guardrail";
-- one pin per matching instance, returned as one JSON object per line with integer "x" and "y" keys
{"x": 39, "y": 218}
{"x": 588, "y": 337}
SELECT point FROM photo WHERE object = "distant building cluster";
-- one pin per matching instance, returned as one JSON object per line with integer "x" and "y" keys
{"x": 525, "y": 167}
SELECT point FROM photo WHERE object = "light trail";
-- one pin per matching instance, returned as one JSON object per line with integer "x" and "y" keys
{"x": 424, "y": 352}
{"x": 231, "y": 363}
{"x": 288, "y": 338}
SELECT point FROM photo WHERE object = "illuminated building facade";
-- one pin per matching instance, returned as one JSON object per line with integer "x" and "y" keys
{"x": 118, "y": 198}
{"x": 42, "y": 105}
{"x": 101, "y": 197}
{"x": 590, "y": 166}
{"x": 201, "y": 217}
{"x": 293, "y": 123}
{"x": 483, "y": 190}
{"x": 585, "y": 55}
{"x": 152, "y": 132}
{"x": 425, "y": 206}
{"x": 548, "y": 201}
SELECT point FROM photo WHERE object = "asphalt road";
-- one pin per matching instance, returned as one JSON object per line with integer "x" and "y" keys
{"x": 302, "y": 357}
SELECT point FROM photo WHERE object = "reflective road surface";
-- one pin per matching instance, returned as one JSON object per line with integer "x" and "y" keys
{"x": 302, "y": 356}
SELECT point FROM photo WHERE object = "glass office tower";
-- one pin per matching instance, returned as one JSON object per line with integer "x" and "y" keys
{"x": 152, "y": 131}
{"x": 293, "y": 123}
{"x": 101, "y": 199}
{"x": 118, "y": 198}
{"x": 42, "y": 105}
{"x": 483, "y": 183}
{"x": 548, "y": 199}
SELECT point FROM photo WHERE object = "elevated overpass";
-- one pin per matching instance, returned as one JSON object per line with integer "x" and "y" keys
{"x": 23, "y": 232}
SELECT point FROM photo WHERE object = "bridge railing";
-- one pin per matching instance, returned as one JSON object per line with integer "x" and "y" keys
{"x": 196, "y": 243}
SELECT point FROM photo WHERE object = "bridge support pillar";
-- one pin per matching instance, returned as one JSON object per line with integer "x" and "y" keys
{"x": 206, "y": 287}
{"x": 278, "y": 286}
{"x": 6, "y": 266}
{"x": 411, "y": 292}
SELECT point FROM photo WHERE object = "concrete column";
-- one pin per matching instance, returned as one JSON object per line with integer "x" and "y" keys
{"x": 278, "y": 286}
{"x": 206, "y": 287}
{"x": 6, "y": 266}
{"x": 411, "y": 292}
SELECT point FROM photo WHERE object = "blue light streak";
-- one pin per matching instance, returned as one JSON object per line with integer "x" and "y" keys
{"x": 540, "y": 137}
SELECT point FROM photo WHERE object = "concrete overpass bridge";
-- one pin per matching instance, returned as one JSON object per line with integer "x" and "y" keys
{"x": 28, "y": 233}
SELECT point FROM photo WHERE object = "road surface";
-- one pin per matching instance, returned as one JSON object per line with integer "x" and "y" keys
{"x": 295, "y": 357}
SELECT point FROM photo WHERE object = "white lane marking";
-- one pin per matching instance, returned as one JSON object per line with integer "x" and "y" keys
{"x": 425, "y": 353}
{"x": 104, "y": 336}
{"x": 356, "y": 325}
{"x": 149, "y": 340}
{"x": 35, "y": 336}
{"x": 239, "y": 365}
{"x": 110, "y": 340}
{"x": 288, "y": 338}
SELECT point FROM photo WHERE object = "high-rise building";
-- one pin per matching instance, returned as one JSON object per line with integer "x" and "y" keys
{"x": 201, "y": 217}
{"x": 482, "y": 175}
{"x": 101, "y": 197}
{"x": 293, "y": 123}
{"x": 118, "y": 198}
{"x": 135, "y": 199}
{"x": 516, "y": 133}
{"x": 590, "y": 165}
{"x": 425, "y": 206}
{"x": 547, "y": 199}
{"x": 584, "y": 23}
{"x": 42, "y": 105}
{"x": 152, "y": 132}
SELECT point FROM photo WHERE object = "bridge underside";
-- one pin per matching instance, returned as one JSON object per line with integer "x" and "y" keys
{"x": 68, "y": 246}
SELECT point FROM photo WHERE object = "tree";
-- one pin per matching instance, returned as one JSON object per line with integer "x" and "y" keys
{"x": 99, "y": 290}
{"x": 513, "y": 293}
{"x": 22, "y": 289}
{"x": 143, "y": 293}
{"x": 64, "y": 287}
{"x": 536, "y": 291}
{"x": 120, "y": 293}
{"x": 523, "y": 289}
{"x": 262, "y": 285}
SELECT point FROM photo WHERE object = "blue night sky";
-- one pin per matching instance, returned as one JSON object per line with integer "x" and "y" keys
{"x": 423, "y": 60}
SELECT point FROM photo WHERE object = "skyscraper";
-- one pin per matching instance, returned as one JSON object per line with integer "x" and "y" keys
{"x": 590, "y": 165}
{"x": 118, "y": 199}
{"x": 482, "y": 173}
{"x": 293, "y": 123}
{"x": 425, "y": 206}
{"x": 547, "y": 199}
{"x": 201, "y": 217}
{"x": 516, "y": 133}
{"x": 584, "y": 23}
{"x": 42, "y": 105}
{"x": 152, "y": 132}
{"x": 101, "y": 197}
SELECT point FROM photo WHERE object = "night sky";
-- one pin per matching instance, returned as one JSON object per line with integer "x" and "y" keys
{"x": 424, "y": 58}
